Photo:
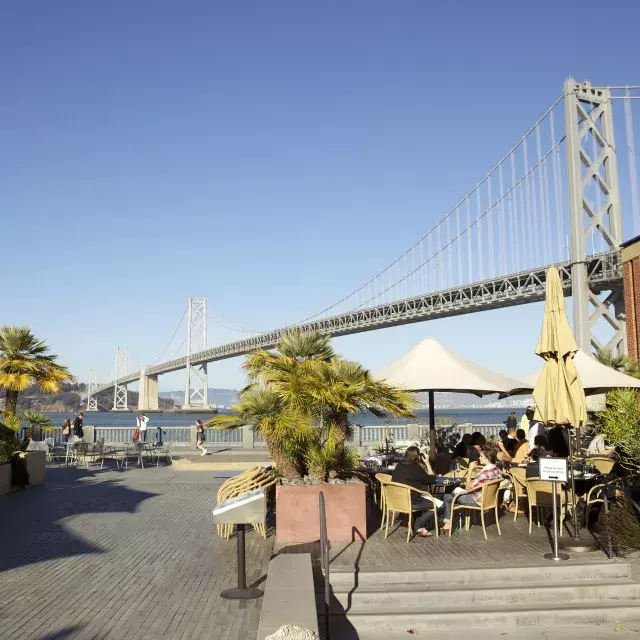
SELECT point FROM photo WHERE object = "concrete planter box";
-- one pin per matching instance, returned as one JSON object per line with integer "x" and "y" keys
{"x": 5, "y": 478}
{"x": 36, "y": 466}
{"x": 297, "y": 515}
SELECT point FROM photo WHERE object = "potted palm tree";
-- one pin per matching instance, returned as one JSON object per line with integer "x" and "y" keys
{"x": 300, "y": 397}
{"x": 36, "y": 460}
{"x": 7, "y": 450}
{"x": 13, "y": 467}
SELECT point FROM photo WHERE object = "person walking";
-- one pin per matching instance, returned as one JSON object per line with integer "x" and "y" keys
{"x": 511, "y": 422}
{"x": 141, "y": 423}
{"x": 66, "y": 428}
{"x": 200, "y": 437}
{"x": 77, "y": 425}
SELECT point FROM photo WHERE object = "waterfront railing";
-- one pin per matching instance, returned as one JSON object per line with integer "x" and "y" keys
{"x": 366, "y": 436}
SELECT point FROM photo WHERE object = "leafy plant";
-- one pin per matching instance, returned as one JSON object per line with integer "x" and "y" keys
{"x": 7, "y": 449}
{"x": 35, "y": 419}
{"x": 621, "y": 524}
{"x": 619, "y": 362}
{"x": 619, "y": 423}
{"x": 300, "y": 398}
{"x": 12, "y": 422}
{"x": 25, "y": 360}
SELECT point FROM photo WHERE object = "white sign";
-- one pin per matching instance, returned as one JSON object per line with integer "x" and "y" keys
{"x": 239, "y": 501}
{"x": 553, "y": 469}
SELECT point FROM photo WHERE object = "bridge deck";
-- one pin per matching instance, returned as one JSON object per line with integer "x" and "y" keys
{"x": 604, "y": 272}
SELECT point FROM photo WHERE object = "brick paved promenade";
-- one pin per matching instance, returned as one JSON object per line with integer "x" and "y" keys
{"x": 115, "y": 555}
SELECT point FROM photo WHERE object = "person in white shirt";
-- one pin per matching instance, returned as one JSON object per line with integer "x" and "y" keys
{"x": 526, "y": 419}
{"x": 141, "y": 422}
{"x": 536, "y": 428}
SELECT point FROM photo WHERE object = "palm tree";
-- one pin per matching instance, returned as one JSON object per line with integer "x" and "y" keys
{"x": 300, "y": 398}
{"x": 35, "y": 419}
{"x": 24, "y": 361}
{"x": 618, "y": 361}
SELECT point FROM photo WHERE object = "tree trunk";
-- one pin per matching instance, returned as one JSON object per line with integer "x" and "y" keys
{"x": 284, "y": 465}
{"x": 11, "y": 402}
{"x": 341, "y": 428}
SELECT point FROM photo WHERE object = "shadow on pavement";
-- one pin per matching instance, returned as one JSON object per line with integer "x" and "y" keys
{"x": 67, "y": 632}
{"x": 32, "y": 530}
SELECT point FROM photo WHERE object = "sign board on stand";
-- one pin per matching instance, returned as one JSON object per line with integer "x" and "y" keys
{"x": 249, "y": 508}
{"x": 554, "y": 469}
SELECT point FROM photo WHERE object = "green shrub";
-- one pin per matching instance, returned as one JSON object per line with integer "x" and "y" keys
{"x": 619, "y": 423}
{"x": 623, "y": 526}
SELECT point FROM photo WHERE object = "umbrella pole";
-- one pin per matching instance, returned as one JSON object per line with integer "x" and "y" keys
{"x": 432, "y": 428}
{"x": 576, "y": 530}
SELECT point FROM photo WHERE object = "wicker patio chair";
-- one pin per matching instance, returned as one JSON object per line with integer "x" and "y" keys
{"x": 489, "y": 501}
{"x": 603, "y": 464}
{"x": 398, "y": 500}
{"x": 540, "y": 496}
{"x": 519, "y": 482}
{"x": 384, "y": 479}
{"x": 256, "y": 478}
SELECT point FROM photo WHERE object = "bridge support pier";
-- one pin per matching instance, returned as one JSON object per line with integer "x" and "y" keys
{"x": 594, "y": 210}
{"x": 147, "y": 392}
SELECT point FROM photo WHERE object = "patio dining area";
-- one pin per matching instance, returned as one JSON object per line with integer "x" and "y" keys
{"x": 76, "y": 452}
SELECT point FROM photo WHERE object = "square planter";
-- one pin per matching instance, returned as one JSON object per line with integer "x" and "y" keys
{"x": 36, "y": 466}
{"x": 5, "y": 478}
{"x": 298, "y": 519}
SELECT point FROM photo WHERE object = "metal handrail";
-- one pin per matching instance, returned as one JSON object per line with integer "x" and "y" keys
{"x": 324, "y": 559}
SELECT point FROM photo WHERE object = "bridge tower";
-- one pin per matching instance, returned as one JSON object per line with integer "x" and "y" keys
{"x": 594, "y": 208}
{"x": 92, "y": 385}
{"x": 120, "y": 395}
{"x": 195, "y": 390}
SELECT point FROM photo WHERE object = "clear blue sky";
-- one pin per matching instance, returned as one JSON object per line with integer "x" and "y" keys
{"x": 269, "y": 156}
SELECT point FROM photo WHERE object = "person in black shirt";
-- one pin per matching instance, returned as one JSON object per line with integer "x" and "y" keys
{"x": 511, "y": 441}
{"x": 77, "y": 425}
{"x": 462, "y": 448}
{"x": 477, "y": 443}
{"x": 413, "y": 473}
{"x": 511, "y": 421}
{"x": 557, "y": 442}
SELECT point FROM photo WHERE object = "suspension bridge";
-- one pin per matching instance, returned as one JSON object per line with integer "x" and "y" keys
{"x": 566, "y": 194}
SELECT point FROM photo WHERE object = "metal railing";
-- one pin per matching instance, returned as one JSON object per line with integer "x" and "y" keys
{"x": 41, "y": 434}
{"x": 177, "y": 436}
{"x": 366, "y": 436}
{"x": 231, "y": 438}
{"x": 324, "y": 559}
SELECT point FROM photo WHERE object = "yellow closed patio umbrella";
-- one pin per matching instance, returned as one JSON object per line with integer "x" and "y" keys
{"x": 558, "y": 394}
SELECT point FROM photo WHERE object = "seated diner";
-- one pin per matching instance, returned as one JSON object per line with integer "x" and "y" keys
{"x": 521, "y": 447}
{"x": 487, "y": 458}
{"x": 476, "y": 444}
{"x": 462, "y": 448}
{"x": 416, "y": 472}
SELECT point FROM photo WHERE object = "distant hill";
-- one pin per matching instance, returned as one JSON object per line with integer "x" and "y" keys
{"x": 70, "y": 399}
{"x": 224, "y": 397}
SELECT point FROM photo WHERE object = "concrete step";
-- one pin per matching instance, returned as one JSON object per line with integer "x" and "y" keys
{"x": 479, "y": 576}
{"x": 400, "y": 621}
{"x": 597, "y": 631}
{"x": 417, "y": 598}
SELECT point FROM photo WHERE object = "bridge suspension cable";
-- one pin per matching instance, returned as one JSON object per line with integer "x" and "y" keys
{"x": 511, "y": 228}
{"x": 173, "y": 335}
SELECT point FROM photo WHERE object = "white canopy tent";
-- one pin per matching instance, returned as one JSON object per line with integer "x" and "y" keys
{"x": 431, "y": 367}
{"x": 595, "y": 377}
